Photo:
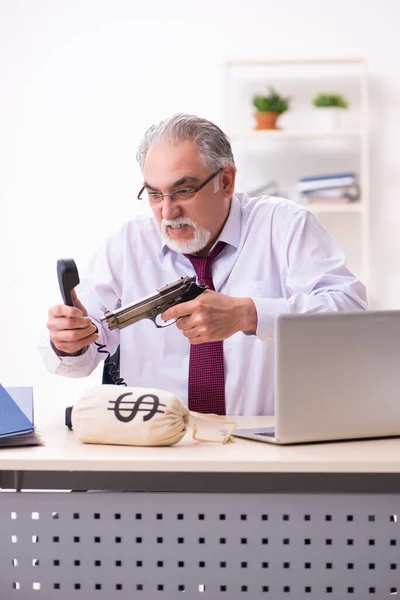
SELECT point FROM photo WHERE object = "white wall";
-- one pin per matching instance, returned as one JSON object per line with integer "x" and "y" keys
{"x": 80, "y": 83}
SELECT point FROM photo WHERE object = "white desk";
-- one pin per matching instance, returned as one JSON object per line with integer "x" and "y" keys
{"x": 244, "y": 520}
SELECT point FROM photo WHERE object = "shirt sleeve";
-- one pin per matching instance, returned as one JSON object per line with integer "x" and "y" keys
{"x": 314, "y": 276}
{"x": 68, "y": 366}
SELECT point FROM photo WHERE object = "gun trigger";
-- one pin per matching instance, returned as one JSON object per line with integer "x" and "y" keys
{"x": 156, "y": 324}
{"x": 163, "y": 326}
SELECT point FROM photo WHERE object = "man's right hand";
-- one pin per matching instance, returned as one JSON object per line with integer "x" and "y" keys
{"x": 71, "y": 330}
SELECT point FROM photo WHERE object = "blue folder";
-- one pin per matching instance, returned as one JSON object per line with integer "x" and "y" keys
{"x": 16, "y": 416}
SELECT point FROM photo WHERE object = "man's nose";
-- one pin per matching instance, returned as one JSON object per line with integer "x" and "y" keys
{"x": 170, "y": 210}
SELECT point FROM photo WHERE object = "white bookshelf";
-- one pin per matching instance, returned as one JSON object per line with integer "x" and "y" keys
{"x": 300, "y": 148}
{"x": 350, "y": 208}
{"x": 295, "y": 134}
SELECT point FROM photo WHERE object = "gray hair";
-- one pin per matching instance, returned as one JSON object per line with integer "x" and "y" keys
{"x": 213, "y": 144}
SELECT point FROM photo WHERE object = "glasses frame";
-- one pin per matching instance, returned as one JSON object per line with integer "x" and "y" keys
{"x": 172, "y": 194}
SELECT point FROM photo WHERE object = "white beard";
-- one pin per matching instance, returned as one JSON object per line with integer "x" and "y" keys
{"x": 199, "y": 241}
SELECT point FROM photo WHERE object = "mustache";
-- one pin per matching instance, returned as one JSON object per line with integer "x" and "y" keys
{"x": 178, "y": 221}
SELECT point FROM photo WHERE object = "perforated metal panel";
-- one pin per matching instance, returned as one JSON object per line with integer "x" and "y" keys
{"x": 161, "y": 545}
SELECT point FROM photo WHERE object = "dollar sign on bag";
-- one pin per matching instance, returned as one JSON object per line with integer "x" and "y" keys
{"x": 135, "y": 406}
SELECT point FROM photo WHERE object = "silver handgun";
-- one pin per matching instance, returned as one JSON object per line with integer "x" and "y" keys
{"x": 150, "y": 307}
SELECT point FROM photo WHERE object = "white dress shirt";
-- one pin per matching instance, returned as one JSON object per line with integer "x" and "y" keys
{"x": 277, "y": 254}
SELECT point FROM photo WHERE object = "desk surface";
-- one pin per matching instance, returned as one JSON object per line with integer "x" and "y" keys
{"x": 62, "y": 452}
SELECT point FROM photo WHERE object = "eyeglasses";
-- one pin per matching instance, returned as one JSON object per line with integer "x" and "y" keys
{"x": 181, "y": 195}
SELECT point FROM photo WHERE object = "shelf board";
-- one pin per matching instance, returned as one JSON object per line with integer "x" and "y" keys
{"x": 288, "y": 134}
{"x": 345, "y": 60}
{"x": 351, "y": 207}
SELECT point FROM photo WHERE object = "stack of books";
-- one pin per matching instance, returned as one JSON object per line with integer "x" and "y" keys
{"x": 16, "y": 417}
{"x": 338, "y": 188}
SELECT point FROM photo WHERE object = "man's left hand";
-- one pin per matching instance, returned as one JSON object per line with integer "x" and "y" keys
{"x": 213, "y": 316}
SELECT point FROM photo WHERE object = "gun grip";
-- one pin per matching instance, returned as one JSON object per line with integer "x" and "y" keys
{"x": 194, "y": 291}
{"x": 68, "y": 278}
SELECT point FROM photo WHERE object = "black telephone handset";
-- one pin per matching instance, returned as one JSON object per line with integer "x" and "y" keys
{"x": 68, "y": 278}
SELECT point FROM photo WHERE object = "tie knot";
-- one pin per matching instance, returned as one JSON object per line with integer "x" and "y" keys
{"x": 202, "y": 264}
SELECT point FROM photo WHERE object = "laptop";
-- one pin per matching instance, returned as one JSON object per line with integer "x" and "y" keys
{"x": 337, "y": 377}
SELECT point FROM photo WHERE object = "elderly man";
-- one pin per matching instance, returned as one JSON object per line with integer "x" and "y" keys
{"x": 260, "y": 257}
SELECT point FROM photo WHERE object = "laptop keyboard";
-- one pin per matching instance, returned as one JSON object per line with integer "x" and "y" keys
{"x": 266, "y": 433}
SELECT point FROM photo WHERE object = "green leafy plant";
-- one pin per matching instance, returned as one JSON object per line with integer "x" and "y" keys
{"x": 330, "y": 101}
{"x": 272, "y": 103}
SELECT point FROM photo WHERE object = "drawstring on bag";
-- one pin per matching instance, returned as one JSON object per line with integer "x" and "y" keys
{"x": 227, "y": 439}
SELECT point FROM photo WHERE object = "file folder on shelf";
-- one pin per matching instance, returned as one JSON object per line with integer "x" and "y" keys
{"x": 16, "y": 417}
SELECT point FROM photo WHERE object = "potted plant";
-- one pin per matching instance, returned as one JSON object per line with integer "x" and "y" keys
{"x": 330, "y": 107}
{"x": 269, "y": 108}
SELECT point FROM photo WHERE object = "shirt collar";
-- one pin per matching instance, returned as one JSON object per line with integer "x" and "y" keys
{"x": 231, "y": 231}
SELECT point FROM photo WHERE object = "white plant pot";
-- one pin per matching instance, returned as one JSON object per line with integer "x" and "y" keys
{"x": 329, "y": 118}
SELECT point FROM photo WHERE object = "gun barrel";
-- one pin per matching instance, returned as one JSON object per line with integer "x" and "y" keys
{"x": 149, "y": 306}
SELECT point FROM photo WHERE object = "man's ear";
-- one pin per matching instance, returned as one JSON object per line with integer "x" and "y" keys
{"x": 228, "y": 180}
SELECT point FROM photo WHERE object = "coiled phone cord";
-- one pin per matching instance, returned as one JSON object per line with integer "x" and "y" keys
{"x": 109, "y": 364}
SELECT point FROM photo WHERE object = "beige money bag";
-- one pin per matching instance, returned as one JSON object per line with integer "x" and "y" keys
{"x": 135, "y": 416}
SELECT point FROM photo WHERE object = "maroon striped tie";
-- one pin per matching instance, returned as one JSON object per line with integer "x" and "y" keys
{"x": 206, "y": 366}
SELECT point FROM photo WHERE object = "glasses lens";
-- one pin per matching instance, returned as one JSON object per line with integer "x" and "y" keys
{"x": 184, "y": 194}
{"x": 149, "y": 196}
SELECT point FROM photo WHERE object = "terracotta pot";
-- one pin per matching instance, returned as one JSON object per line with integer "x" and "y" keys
{"x": 266, "y": 120}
